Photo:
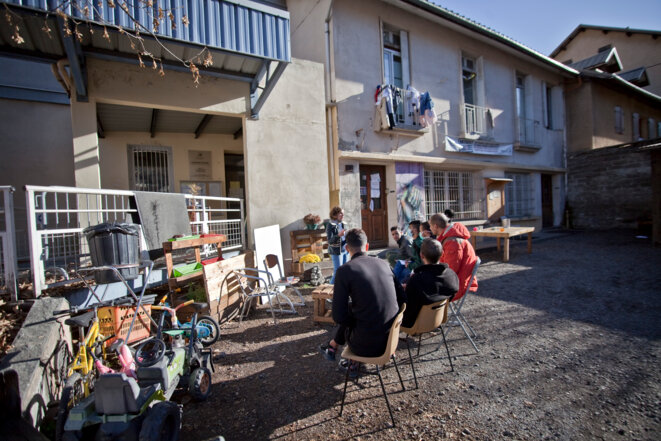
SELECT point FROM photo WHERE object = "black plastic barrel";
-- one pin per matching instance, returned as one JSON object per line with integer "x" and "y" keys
{"x": 114, "y": 244}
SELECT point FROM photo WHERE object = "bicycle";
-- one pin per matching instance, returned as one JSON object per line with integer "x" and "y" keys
{"x": 207, "y": 328}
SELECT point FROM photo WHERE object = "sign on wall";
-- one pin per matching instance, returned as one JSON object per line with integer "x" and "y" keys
{"x": 199, "y": 164}
{"x": 477, "y": 147}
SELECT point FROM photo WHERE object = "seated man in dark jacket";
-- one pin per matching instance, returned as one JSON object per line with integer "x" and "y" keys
{"x": 366, "y": 299}
{"x": 430, "y": 283}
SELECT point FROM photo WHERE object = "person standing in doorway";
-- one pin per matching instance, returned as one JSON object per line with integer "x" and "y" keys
{"x": 335, "y": 230}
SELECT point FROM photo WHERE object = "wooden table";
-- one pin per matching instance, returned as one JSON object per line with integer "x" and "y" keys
{"x": 504, "y": 233}
{"x": 168, "y": 247}
{"x": 319, "y": 297}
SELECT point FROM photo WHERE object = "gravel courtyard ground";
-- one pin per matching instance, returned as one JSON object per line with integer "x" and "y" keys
{"x": 569, "y": 340}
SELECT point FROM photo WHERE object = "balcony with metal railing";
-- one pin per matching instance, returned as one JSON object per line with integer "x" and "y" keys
{"x": 477, "y": 121}
{"x": 57, "y": 217}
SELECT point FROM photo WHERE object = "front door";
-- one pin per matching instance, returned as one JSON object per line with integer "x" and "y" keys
{"x": 374, "y": 211}
{"x": 547, "y": 201}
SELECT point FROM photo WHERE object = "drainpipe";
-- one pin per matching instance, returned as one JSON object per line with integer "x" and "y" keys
{"x": 61, "y": 75}
{"x": 331, "y": 112}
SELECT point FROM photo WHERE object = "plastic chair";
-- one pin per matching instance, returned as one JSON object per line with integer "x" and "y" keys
{"x": 429, "y": 319}
{"x": 271, "y": 261}
{"x": 456, "y": 317}
{"x": 388, "y": 354}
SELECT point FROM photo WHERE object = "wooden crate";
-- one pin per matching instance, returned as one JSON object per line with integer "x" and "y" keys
{"x": 307, "y": 242}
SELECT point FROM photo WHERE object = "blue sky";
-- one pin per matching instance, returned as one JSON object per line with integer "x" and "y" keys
{"x": 542, "y": 25}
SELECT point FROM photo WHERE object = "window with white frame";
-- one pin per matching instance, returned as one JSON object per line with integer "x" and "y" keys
{"x": 150, "y": 168}
{"x": 455, "y": 190}
{"x": 396, "y": 64}
{"x": 619, "y": 120}
{"x": 519, "y": 195}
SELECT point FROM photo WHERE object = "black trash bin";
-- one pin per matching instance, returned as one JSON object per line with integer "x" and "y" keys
{"x": 114, "y": 244}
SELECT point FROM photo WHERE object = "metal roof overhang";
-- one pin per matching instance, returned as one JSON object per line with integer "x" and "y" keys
{"x": 248, "y": 41}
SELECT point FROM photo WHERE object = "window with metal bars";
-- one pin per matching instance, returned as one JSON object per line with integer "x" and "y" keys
{"x": 519, "y": 195}
{"x": 150, "y": 168}
{"x": 455, "y": 190}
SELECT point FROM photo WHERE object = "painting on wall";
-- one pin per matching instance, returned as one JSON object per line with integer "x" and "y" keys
{"x": 409, "y": 177}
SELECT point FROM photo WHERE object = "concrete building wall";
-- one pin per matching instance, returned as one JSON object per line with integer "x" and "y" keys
{"x": 635, "y": 50}
{"x": 36, "y": 150}
{"x": 285, "y": 153}
{"x": 591, "y": 116}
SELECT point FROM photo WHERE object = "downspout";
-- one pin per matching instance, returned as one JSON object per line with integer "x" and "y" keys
{"x": 61, "y": 75}
{"x": 331, "y": 113}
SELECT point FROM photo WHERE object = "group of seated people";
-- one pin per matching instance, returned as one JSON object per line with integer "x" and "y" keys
{"x": 435, "y": 264}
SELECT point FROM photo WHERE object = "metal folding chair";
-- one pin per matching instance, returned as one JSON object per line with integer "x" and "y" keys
{"x": 253, "y": 284}
{"x": 271, "y": 261}
{"x": 456, "y": 316}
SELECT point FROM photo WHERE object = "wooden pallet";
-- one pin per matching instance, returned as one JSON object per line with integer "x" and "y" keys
{"x": 307, "y": 242}
{"x": 319, "y": 297}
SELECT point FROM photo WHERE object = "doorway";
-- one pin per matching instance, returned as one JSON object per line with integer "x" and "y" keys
{"x": 373, "y": 206}
{"x": 547, "y": 201}
{"x": 234, "y": 179}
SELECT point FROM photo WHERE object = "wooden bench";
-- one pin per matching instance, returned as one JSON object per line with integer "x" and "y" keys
{"x": 319, "y": 297}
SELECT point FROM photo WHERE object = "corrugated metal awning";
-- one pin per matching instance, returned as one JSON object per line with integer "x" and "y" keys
{"x": 246, "y": 40}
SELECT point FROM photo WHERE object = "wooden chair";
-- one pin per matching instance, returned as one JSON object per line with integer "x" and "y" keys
{"x": 271, "y": 261}
{"x": 388, "y": 354}
{"x": 429, "y": 318}
{"x": 456, "y": 317}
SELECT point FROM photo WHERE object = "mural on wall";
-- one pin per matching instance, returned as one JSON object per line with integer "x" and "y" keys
{"x": 409, "y": 177}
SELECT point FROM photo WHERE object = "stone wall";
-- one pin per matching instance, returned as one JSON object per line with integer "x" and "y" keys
{"x": 610, "y": 187}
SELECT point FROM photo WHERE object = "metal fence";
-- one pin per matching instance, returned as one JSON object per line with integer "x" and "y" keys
{"x": 456, "y": 190}
{"x": 58, "y": 215}
{"x": 8, "y": 266}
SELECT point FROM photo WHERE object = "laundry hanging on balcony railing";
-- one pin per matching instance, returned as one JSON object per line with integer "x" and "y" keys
{"x": 427, "y": 113}
{"x": 387, "y": 99}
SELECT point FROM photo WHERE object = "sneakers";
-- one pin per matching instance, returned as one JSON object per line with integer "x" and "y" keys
{"x": 353, "y": 366}
{"x": 328, "y": 351}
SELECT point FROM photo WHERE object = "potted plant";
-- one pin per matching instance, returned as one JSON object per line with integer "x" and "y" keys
{"x": 311, "y": 221}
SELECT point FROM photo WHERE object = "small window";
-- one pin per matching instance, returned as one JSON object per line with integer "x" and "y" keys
{"x": 619, "y": 120}
{"x": 150, "y": 168}
{"x": 636, "y": 127}
{"x": 651, "y": 129}
{"x": 548, "y": 106}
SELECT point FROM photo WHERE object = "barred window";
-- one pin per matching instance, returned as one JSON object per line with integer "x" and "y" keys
{"x": 150, "y": 168}
{"x": 455, "y": 190}
{"x": 519, "y": 195}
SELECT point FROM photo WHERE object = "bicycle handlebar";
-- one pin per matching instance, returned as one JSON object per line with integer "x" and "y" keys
{"x": 77, "y": 309}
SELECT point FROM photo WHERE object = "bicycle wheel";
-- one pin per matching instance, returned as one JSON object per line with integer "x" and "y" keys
{"x": 208, "y": 330}
{"x": 72, "y": 394}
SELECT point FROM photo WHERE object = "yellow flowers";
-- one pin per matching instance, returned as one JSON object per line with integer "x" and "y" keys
{"x": 310, "y": 258}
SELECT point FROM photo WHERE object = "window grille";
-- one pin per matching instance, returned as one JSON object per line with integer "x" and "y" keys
{"x": 150, "y": 168}
{"x": 518, "y": 195}
{"x": 455, "y": 190}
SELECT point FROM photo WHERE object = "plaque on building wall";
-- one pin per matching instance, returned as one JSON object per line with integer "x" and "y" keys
{"x": 199, "y": 164}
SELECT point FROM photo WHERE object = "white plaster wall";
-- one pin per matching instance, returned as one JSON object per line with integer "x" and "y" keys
{"x": 435, "y": 57}
{"x": 285, "y": 153}
{"x": 114, "y": 156}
